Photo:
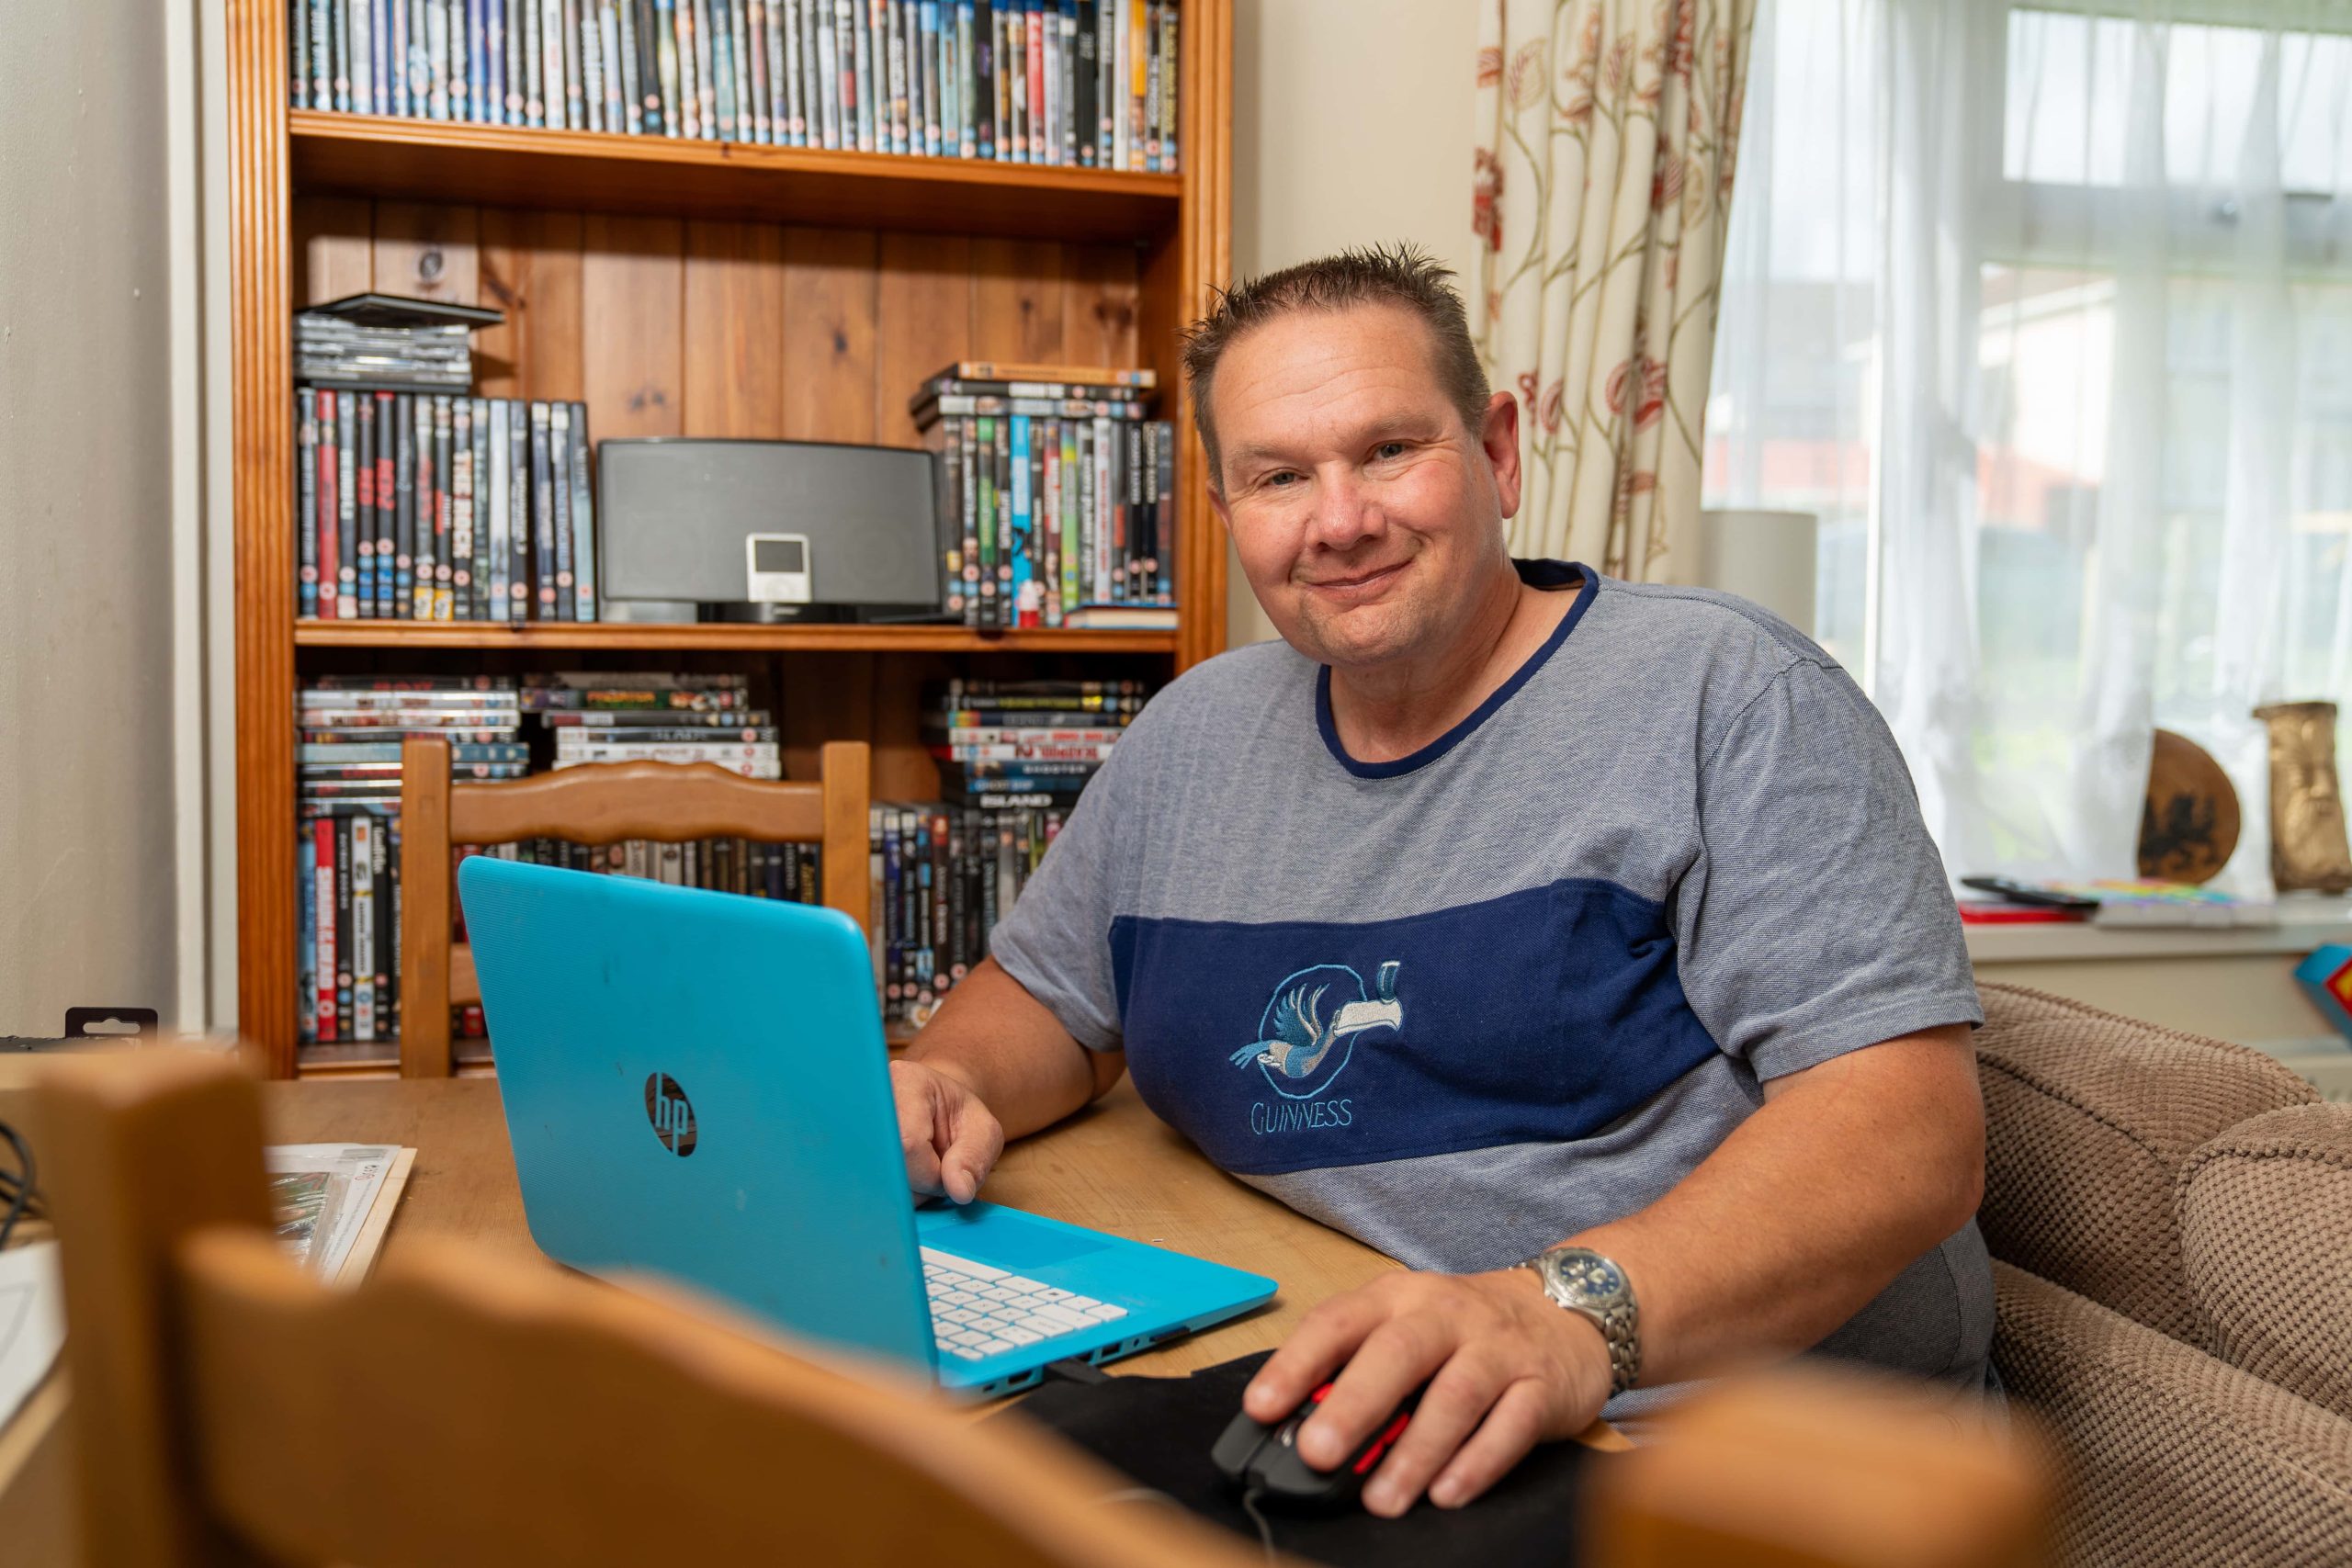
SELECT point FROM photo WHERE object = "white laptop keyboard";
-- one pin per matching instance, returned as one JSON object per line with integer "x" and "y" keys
{"x": 978, "y": 1311}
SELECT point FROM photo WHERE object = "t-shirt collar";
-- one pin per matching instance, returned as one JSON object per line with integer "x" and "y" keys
{"x": 1544, "y": 574}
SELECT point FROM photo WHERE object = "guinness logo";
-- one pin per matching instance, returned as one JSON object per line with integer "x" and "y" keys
{"x": 672, "y": 1113}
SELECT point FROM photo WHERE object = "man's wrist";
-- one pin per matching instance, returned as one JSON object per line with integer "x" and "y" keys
{"x": 1588, "y": 1284}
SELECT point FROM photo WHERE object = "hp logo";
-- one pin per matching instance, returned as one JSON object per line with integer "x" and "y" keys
{"x": 671, "y": 1112}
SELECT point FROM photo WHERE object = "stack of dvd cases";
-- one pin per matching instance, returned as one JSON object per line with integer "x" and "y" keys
{"x": 1091, "y": 83}
{"x": 1013, "y": 756}
{"x": 416, "y": 506}
{"x": 658, "y": 718}
{"x": 347, "y": 839}
{"x": 1060, "y": 490}
{"x": 434, "y": 357}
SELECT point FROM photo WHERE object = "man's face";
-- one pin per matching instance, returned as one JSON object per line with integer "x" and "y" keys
{"x": 1362, "y": 512}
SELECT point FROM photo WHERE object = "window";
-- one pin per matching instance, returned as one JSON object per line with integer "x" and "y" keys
{"x": 2047, "y": 314}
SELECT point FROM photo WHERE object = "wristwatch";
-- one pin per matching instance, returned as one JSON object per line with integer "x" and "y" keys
{"x": 1584, "y": 1282}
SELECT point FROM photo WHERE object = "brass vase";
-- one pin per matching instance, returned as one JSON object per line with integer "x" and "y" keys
{"x": 2308, "y": 851}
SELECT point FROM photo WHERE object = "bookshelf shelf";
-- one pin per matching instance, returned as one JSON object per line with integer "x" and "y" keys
{"x": 383, "y": 156}
{"x": 703, "y": 638}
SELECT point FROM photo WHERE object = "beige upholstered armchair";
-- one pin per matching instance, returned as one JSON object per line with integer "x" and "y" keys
{"x": 2171, "y": 1224}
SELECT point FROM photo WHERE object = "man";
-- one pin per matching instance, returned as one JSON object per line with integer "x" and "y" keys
{"x": 1498, "y": 910}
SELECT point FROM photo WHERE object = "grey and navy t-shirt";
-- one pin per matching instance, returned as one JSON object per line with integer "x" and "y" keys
{"x": 1469, "y": 1003}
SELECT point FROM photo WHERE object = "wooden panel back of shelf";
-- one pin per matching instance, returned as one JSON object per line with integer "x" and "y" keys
{"x": 530, "y": 267}
{"x": 829, "y": 302}
{"x": 427, "y": 160}
{"x": 733, "y": 322}
{"x": 632, "y": 293}
{"x": 720, "y": 328}
{"x": 926, "y": 313}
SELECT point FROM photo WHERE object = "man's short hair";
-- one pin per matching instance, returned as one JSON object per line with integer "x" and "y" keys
{"x": 1378, "y": 274}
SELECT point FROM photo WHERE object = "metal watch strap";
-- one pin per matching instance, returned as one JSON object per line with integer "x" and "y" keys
{"x": 1586, "y": 1282}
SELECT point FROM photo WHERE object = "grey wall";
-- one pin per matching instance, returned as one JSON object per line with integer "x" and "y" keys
{"x": 87, "y": 840}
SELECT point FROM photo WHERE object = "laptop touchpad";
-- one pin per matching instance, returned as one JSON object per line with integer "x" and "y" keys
{"x": 1004, "y": 1242}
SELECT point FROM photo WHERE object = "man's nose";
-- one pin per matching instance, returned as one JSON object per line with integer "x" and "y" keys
{"x": 1345, "y": 512}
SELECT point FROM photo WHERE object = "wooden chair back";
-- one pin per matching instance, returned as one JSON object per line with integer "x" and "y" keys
{"x": 460, "y": 1410}
{"x": 598, "y": 804}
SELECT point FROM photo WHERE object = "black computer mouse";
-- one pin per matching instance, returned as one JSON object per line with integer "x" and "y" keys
{"x": 1264, "y": 1459}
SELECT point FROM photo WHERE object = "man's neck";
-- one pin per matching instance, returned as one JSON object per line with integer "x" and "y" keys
{"x": 1393, "y": 710}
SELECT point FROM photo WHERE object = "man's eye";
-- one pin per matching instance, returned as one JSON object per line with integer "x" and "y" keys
{"x": 1281, "y": 481}
{"x": 1389, "y": 449}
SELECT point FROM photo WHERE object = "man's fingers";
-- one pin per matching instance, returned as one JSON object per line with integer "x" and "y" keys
{"x": 1323, "y": 1340}
{"x": 1394, "y": 1359}
{"x": 1460, "y": 1395}
{"x": 977, "y": 1138}
{"x": 916, "y": 1120}
{"x": 1511, "y": 1427}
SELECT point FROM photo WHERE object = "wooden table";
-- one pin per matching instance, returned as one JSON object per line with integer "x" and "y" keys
{"x": 1115, "y": 1167}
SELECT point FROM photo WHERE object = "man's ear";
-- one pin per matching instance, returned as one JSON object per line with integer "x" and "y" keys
{"x": 1499, "y": 438}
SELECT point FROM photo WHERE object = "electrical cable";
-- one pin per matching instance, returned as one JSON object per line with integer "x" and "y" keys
{"x": 1265, "y": 1531}
{"x": 22, "y": 1190}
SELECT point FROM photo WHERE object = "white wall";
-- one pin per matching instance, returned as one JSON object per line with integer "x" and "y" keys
{"x": 1352, "y": 124}
{"x": 88, "y": 848}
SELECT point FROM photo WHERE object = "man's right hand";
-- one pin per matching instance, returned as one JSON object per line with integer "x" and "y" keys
{"x": 950, "y": 1138}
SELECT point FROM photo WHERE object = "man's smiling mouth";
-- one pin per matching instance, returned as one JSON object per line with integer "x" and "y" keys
{"x": 1363, "y": 580}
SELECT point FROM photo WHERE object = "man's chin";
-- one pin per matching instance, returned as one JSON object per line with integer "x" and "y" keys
{"x": 1356, "y": 638}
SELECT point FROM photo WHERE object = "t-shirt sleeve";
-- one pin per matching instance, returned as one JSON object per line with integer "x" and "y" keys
{"x": 1057, "y": 939}
{"x": 1817, "y": 919}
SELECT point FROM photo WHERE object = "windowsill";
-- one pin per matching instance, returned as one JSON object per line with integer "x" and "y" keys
{"x": 2305, "y": 921}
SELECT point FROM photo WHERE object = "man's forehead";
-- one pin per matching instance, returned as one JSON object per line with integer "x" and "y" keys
{"x": 1358, "y": 362}
{"x": 1375, "y": 329}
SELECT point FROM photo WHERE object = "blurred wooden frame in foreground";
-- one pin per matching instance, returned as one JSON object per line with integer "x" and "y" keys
{"x": 460, "y": 1410}
{"x": 1811, "y": 1463}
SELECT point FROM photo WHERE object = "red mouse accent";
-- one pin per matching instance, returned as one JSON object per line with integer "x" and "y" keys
{"x": 1380, "y": 1444}
{"x": 1262, "y": 1457}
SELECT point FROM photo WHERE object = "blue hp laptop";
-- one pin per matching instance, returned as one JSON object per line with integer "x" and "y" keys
{"x": 696, "y": 1085}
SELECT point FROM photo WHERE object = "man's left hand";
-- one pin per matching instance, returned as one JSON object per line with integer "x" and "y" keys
{"x": 1506, "y": 1369}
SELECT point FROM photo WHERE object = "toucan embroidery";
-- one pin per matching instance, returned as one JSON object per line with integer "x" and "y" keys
{"x": 1296, "y": 1038}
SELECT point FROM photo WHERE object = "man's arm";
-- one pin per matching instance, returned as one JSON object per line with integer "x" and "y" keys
{"x": 993, "y": 1063}
{"x": 1849, "y": 1171}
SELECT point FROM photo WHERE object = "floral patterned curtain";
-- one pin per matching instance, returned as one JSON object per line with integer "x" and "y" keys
{"x": 1604, "y": 177}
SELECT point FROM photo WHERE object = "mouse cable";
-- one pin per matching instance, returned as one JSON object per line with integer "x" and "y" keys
{"x": 21, "y": 1191}
{"x": 1257, "y": 1518}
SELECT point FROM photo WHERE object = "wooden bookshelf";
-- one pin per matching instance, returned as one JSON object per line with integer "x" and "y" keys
{"x": 687, "y": 289}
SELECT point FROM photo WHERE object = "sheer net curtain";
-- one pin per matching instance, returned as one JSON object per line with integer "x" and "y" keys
{"x": 2046, "y": 310}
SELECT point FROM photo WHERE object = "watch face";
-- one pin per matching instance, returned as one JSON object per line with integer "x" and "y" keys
{"x": 1591, "y": 1278}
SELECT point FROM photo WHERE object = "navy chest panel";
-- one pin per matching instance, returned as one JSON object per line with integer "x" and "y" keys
{"x": 1538, "y": 1016}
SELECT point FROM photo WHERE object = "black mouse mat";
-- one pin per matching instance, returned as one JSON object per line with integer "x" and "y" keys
{"x": 1160, "y": 1430}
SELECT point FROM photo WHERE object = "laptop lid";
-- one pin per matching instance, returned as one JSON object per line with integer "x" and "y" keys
{"x": 697, "y": 1085}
